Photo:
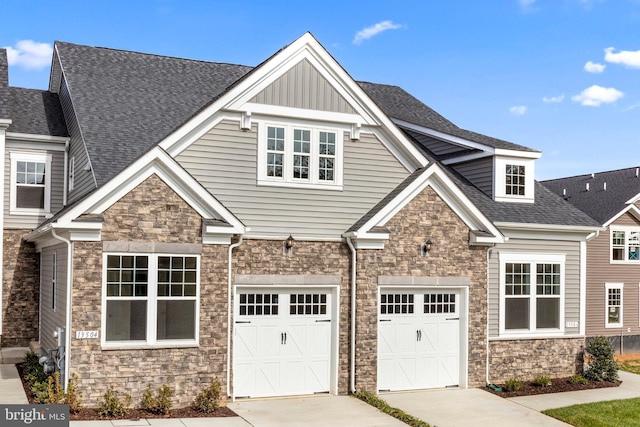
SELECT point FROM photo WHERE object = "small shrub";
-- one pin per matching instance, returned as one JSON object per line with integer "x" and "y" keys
{"x": 112, "y": 406}
{"x": 602, "y": 366}
{"x": 208, "y": 398}
{"x": 542, "y": 381}
{"x": 578, "y": 379}
{"x": 160, "y": 403}
{"x": 40, "y": 392}
{"x": 513, "y": 384}
{"x": 55, "y": 391}
{"x": 73, "y": 397}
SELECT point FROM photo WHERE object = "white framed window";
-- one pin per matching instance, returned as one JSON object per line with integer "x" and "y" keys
{"x": 72, "y": 173}
{"x": 150, "y": 300}
{"x": 625, "y": 245}
{"x": 30, "y": 192}
{"x": 531, "y": 294}
{"x": 514, "y": 179}
{"x": 613, "y": 305}
{"x": 295, "y": 155}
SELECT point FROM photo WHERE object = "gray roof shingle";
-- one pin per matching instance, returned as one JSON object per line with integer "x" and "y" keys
{"x": 599, "y": 203}
{"x": 4, "y": 85}
{"x": 36, "y": 112}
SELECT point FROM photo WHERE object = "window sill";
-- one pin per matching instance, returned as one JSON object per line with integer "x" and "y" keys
{"x": 532, "y": 335}
{"x": 29, "y": 212}
{"x": 300, "y": 184}
{"x": 614, "y": 326}
{"x": 634, "y": 262}
{"x": 144, "y": 346}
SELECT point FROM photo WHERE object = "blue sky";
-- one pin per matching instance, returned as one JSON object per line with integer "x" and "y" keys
{"x": 560, "y": 76}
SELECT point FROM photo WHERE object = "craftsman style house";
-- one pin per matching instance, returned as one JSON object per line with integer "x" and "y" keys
{"x": 283, "y": 228}
{"x": 612, "y": 198}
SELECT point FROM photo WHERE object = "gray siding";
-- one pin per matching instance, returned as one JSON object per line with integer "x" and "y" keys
{"x": 572, "y": 277}
{"x": 51, "y": 318}
{"x": 303, "y": 87}
{"x": 601, "y": 271}
{"x": 224, "y": 161}
{"x": 57, "y": 187}
{"x": 83, "y": 182}
{"x": 438, "y": 146}
{"x": 479, "y": 172}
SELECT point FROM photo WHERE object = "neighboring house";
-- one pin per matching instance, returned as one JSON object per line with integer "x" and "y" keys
{"x": 291, "y": 231}
{"x": 612, "y": 198}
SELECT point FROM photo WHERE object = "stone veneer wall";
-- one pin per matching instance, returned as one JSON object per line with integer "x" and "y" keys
{"x": 528, "y": 359}
{"x": 20, "y": 290}
{"x": 305, "y": 258}
{"x": 152, "y": 212}
{"x": 427, "y": 216}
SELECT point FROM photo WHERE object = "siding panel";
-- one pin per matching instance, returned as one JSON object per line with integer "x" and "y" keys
{"x": 572, "y": 277}
{"x": 224, "y": 161}
{"x": 50, "y": 318}
{"x": 479, "y": 173}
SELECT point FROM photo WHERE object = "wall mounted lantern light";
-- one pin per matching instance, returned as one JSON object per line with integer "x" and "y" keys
{"x": 288, "y": 244}
{"x": 425, "y": 248}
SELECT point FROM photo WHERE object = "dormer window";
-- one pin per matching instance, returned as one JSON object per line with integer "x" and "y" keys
{"x": 299, "y": 156}
{"x": 513, "y": 179}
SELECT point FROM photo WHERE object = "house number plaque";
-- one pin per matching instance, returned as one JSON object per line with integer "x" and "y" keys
{"x": 84, "y": 335}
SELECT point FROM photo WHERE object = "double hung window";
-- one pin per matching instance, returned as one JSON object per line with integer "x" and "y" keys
{"x": 625, "y": 244}
{"x": 613, "y": 303}
{"x": 291, "y": 155}
{"x": 151, "y": 299}
{"x": 30, "y": 183}
{"x": 532, "y": 294}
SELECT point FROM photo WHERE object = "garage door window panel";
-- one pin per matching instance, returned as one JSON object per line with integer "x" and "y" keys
{"x": 308, "y": 304}
{"x": 251, "y": 304}
{"x": 397, "y": 304}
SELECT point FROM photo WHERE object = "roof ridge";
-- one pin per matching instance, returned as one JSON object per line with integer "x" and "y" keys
{"x": 593, "y": 174}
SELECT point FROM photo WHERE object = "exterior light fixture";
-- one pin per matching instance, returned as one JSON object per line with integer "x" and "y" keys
{"x": 426, "y": 247}
{"x": 288, "y": 244}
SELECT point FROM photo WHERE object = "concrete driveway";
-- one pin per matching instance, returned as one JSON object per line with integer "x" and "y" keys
{"x": 467, "y": 407}
{"x": 312, "y": 411}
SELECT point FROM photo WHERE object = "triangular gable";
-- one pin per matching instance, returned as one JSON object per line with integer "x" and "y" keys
{"x": 238, "y": 103}
{"x": 631, "y": 209}
{"x": 371, "y": 234}
{"x": 303, "y": 86}
{"x": 218, "y": 219}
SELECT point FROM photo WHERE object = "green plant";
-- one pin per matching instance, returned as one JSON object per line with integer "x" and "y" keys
{"x": 602, "y": 365}
{"x": 40, "y": 391}
{"x": 208, "y": 398}
{"x": 578, "y": 379}
{"x": 32, "y": 370}
{"x": 55, "y": 391}
{"x": 160, "y": 403}
{"x": 513, "y": 384}
{"x": 542, "y": 381}
{"x": 383, "y": 406}
{"x": 112, "y": 406}
{"x": 73, "y": 397}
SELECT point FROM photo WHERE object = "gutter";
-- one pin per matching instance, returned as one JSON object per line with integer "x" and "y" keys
{"x": 229, "y": 316}
{"x": 352, "y": 366}
{"x": 67, "y": 335}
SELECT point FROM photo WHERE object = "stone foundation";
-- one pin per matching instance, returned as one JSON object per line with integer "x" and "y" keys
{"x": 527, "y": 359}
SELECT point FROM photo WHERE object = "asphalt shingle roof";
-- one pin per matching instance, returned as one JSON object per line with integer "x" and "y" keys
{"x": 35, "y": 111}
{"x": 602, "y": 205}
{"x": 4, "y": 85}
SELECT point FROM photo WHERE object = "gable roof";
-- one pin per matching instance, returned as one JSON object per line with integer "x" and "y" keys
{"x": 608, "y": 195}
{"x": 36, "y": 112}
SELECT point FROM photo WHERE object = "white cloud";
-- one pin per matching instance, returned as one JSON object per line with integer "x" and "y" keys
{"x": 553, "y": 99}
{"x": 625, "y": 57}
{"x": 518, "y": 110}
{"x": 29, "y": 54}
{"x": 593, "y": 67}
{"x": 367, "y": 33}
{"x": 596, "y": 95}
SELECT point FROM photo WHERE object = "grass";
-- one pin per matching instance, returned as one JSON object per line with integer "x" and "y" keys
{"x": 631, "y": 365}
{"x": 383, "y": 406}
{"x": 614, "y": 413}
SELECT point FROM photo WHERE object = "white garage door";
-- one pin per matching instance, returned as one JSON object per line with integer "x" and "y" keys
{"x": 418, "y": 339}
{"x": 282, "y": 342}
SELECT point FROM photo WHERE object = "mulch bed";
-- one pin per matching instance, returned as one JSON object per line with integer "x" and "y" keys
{"x": 558, "y": 385}
{"x": 92, "y": 413}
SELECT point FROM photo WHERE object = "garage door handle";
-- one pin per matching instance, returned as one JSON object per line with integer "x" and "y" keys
{"x": 283, "y": 338}
{"x": 418, "y": 335}
{"x": 385, "y": 320}
{"x": 243, "y": 321}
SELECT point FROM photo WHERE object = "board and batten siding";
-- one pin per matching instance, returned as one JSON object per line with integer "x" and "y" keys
{"x": 51, "y": 318}
{"x": 479, "y": 172}
{"x": 303, "y": 87}
{"x": 224, "y": 162}
{"x": 83, "y": 181}
{"x": 57, "y": 186}
{"x": 571, "y": 250}
{"x": 600, "y": 270}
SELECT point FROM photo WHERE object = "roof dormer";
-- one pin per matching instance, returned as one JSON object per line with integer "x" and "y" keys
{"x": 513, "y": 176}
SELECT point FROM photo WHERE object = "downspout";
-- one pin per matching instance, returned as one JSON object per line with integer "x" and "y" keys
{"x": 65, "y": 190}
{"x": 352, "y": 367}
{"x": 229, "y": 315}
{"x": 67, "y": 335}
{"x": 487, "y": 382}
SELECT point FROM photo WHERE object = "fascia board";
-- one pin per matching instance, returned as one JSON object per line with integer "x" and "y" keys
{"x": 445, "y": 136}
{"x": 433, "y": 176}
{"x": 631, "y": 208}
{"x": 29, "y": 137}
{"x": 158, "y": 162}
{"x": 633, "y": 200}
{"x": 546, "y": 231}
{"x": 515, "y": 153}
